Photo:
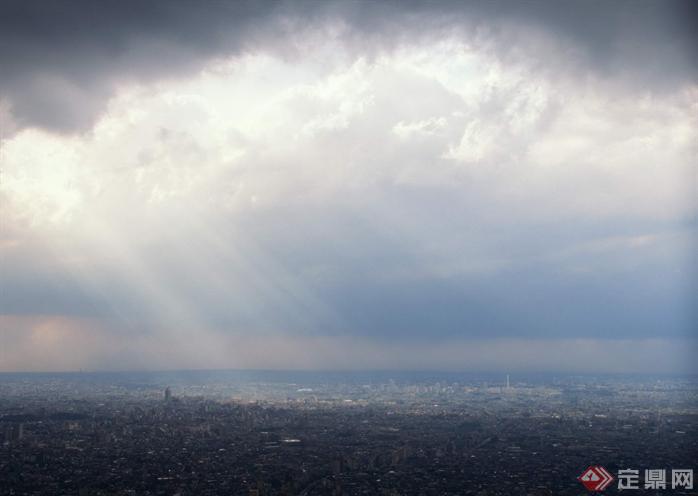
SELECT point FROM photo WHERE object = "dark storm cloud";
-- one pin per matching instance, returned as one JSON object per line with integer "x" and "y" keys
{"x": 62, "y": 60}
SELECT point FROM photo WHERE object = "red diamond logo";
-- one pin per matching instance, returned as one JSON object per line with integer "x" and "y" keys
{"x": 595, "y": 478}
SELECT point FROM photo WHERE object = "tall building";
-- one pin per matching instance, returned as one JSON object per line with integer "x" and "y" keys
{"x": 168, "y": 394}
{"x": 14, "y": 432}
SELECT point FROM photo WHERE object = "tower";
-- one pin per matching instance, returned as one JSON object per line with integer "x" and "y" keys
{"x": 508, "y": 386}
{"x": 168, "y": 394}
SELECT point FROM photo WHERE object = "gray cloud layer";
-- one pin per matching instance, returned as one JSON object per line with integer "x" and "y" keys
{"x": 358, "y": 177}
{"x": 62, "y": 60}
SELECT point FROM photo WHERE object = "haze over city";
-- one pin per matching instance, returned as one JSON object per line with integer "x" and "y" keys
{"x": 348, "y": 185}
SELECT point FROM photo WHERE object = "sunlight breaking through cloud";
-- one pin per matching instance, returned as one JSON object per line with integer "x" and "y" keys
{"x": 443, "y": 191}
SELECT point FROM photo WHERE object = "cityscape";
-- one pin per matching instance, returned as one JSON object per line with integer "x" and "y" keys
{"x": 348, "y": 247}
{"x": 312, "y": 433}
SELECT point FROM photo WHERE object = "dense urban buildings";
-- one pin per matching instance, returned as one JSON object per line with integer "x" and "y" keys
{"x": 266, "y": 433}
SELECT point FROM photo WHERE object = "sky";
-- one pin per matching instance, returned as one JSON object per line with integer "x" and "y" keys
{"x": 486, "y": 186}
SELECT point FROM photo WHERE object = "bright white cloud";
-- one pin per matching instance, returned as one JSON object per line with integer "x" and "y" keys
{"x": 246, "y": 191}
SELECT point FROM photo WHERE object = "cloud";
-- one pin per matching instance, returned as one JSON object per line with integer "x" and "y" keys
{"x": 389, "y": 180}
{"x": 62, "y": 62}
{"x": 294, "y": 205}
